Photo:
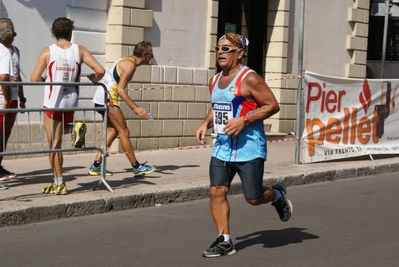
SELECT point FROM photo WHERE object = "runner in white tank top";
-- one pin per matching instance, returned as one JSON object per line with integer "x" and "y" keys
{"x": 64, "y": 66}
{"x": 63, "y": 61}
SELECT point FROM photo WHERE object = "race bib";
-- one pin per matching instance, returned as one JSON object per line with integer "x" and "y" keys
{"x": 222, "y": 111}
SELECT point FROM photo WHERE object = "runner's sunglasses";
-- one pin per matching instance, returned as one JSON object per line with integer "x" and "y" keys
{"x": 226, "y": 49}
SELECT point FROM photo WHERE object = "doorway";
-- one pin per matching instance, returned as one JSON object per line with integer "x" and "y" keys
{"x": 247, "y": 18}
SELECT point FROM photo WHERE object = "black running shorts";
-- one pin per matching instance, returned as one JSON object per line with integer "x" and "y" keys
{"x": 250, "y": 173}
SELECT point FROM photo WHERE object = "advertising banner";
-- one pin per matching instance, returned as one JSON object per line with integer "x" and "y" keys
{"x": 349, "y": 117}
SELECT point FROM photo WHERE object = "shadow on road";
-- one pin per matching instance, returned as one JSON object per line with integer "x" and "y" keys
{"x": 274, "y": 238}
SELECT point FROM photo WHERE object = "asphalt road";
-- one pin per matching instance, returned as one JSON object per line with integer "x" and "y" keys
{"x": 351, "y": 222}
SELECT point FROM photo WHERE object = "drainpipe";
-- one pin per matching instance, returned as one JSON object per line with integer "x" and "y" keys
{"x": 299, "y": 89}
{"x": 384, "y": 39}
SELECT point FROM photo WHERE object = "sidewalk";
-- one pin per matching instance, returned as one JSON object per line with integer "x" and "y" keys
{"x": 182, "y": 175}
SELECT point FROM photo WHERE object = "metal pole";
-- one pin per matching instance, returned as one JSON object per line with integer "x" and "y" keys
{"x": 104, "y": 151}
{"x": 384, "y": 39}
{"x": 299, "y": 89}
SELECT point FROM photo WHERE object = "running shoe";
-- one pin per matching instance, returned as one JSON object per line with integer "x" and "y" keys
{"x": 54, "y": 189}
{"x": 49, "y": 189}
{"x": 144, "y": 169}
{"x": 61, "y": 189}
{"x": 78, "y": 134}
{"x": 219, "y": 248}
{"x": 95, "y": 171}
{"x": 5, "y": 174}
{"x": 283, "y": 205}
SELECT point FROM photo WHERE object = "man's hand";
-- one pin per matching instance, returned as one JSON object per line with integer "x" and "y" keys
{"x": 200, "y": 134}
{"x": 142, "y": 112}
{"x": 22, "y": 105}
{"x": 234, "y": 126}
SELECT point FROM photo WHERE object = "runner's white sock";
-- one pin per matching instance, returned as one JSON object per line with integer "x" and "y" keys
{"x": 58, "y": 181}
{"x": 278, "y": 195}
{"x": 227, "y": 238}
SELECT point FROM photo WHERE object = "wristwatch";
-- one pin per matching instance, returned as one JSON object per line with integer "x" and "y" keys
{"x": 23, "y": 100}
{"x": 246, "y": 120}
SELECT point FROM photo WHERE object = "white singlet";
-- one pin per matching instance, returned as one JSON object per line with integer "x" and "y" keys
{"x": 64, "y": 66}
{"x": 5, "y": 67}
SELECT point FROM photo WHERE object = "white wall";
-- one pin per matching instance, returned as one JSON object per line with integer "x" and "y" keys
{"x": 325, "y": 34}
{"x": 179, "y": 32}
{"x": 32, "y": 21}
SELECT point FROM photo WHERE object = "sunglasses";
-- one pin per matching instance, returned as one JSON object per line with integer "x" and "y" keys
{"x": 226, "y": 49}
{"x": 14, "y": 34}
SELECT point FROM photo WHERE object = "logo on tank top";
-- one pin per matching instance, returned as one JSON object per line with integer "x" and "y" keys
{"x": 222, "y": 106}
{"x": 233, "y": 90}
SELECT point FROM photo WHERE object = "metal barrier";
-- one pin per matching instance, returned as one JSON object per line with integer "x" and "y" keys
{"x": 30, "y": 148}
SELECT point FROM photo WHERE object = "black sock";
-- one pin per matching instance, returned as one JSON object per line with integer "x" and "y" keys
{"x": 97, "y": 163}
{"x": 136, "y": 165}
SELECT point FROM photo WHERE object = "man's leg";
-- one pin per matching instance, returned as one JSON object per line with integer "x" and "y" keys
{"x": 3, "y": 175}
{"x": 112, "y": 134}
{"x": 95, "y": 168}
{"x": 220, "y": 211}
{"x": 54, "y": 130}
{"x": 9, "y": 123}
{"x": 251, "y": 175}
{"x": 2, "y": 133}
{"x": 278, "y": 196}
{"x": 220, "y": 208}
{"x": 267, "y": 196}
{"x": 119, "y": 123}
{"x": 220, "y": 176}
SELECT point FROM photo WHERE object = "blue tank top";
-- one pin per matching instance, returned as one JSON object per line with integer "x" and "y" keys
{"x": 228, "y": 102}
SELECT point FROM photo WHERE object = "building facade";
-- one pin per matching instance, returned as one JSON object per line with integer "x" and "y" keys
{"x": 183, "y": 33}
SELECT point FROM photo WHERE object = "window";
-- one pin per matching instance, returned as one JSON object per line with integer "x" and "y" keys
{"x": 376, "y": 34}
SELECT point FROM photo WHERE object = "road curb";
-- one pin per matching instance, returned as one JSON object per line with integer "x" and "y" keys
{"x": 97, "y": 204}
